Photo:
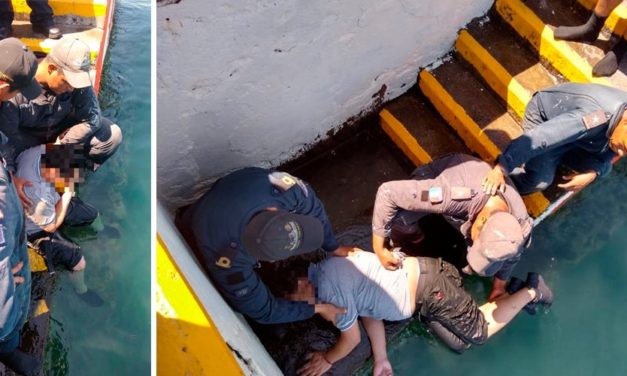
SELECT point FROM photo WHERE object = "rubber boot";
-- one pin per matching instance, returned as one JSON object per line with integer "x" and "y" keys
{"x": 610, "y": 62}
{"x": 587, "y": 32}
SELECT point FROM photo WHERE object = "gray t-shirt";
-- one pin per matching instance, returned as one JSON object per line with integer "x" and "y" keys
{"x": 42, "y": 193}
{"x": 361, "y": 285}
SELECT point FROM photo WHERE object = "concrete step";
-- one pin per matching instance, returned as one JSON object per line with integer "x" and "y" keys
{"x": 535, "y": 20}
{"x": 36, "y": 42}
{"x": 418, "y": 130}
{"x": 69, "y": 12}
{"x": 510, "y": 69}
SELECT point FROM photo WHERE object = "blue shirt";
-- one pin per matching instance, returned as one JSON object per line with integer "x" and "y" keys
{"x": 217, "y": 222}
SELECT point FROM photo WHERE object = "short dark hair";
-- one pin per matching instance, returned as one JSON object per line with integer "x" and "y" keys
{"x": 281, "y": 277}
{"x": 66, "y": 157}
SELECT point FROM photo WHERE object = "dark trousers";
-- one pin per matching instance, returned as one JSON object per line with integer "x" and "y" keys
{"x": 41, "y": 12}
{"x": 59, "y": 250}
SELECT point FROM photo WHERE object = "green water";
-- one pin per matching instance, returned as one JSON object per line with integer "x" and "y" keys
{"x": 582, "y": 252}
{"x": 115, "y": 339}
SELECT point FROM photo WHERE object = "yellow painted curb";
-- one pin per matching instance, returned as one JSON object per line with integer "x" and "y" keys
{"x": 499, "y": 79}
{"x": 403, "y": 139}
{"x": 617, "y": 20}
{"x": 188, "y": 343}
{"x": 41, "y": 308}
{"x": 536, "y": 203}
{"x": 38, "y": 45}
{"x": 82, "y": 8}
{"x": 457, "y": 117}
{"x": 558, "y": 53}
{"x": 37, "y": 262}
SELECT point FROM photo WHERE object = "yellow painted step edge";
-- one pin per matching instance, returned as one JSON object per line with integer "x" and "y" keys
{"x": 188, "y": 342}
{"x": 536, "y": 203}
{"x": 499, "y": 79}
{"x": 38, "y": 45}
{"x": 617, "y": 20}
{"x": 82, "y": 8}
{"x": 457, "y": 117}
{"x": 403, "y": 139}
{"x": 470, "y": 132}
{"x": 558, "y": 53}
{"x": 37, "y": 262}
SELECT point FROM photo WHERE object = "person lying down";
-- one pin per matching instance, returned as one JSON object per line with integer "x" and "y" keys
{"x": 430, "y": 286}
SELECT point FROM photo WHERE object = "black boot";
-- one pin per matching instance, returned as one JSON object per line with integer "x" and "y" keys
{"x": 21, "y": 362}
{"x": 587, "y": 32}
{"x": 544, "y": 295}
{"x": 610, "y": 62}
{"x": 49, "y": 30}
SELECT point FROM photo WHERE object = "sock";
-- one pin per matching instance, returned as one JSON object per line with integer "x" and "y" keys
{"x": 610, "y": 62}
{"x": 587, "y": 32}
{"x": 78, "y": 281}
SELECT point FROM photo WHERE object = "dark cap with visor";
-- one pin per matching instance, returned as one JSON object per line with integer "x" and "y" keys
{"x": 277, "y": 235}
{"x": 19, "y": 65}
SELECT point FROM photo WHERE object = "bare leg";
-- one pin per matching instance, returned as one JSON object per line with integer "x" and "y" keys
{"x": 500, "y": 312}
{"x": 605, "y": 7}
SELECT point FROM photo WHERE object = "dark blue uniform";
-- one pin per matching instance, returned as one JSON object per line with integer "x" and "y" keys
{"x": 570, "y": 124}
{"x": 217, "y": 222}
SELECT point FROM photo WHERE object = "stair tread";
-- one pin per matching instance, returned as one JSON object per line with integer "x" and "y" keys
{"x": 427, "y": 127}
{"x": 479, "y": 102}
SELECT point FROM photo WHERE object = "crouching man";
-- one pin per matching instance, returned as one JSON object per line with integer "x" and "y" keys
{"x": 430, "y": 286}
{"x": 50, "y": 168}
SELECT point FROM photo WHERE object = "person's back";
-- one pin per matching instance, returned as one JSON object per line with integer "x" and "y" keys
{"x": 364, "y": 287}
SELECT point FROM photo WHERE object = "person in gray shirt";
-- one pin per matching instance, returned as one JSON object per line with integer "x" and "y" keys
{"x": 427, "y": 285}
{"x": 496, "y": 228}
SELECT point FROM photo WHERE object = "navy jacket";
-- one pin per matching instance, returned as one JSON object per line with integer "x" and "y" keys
{"x": 562, "y": 109}
{"x": 217, "y": 222}
{"x": 29, "y": 123}
{"x": 14, "y": 299}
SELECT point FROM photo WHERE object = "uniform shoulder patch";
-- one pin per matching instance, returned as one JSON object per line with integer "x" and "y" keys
{"x": 282, "y": 180}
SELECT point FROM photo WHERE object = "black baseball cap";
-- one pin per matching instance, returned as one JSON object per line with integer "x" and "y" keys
{"x": 277, "y": 235}
{"x": 19, "y": 64}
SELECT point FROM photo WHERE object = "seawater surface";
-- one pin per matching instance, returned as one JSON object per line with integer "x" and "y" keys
{"x": 114, "y": 339}
{"x": 582, "y": 253}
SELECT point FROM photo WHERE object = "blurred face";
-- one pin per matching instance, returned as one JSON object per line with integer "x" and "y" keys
{"x": 305, "y": 291}
{"x": 56, "y": 80}
{"x": 618, "y": 140}
{"x": 53, "y": 175}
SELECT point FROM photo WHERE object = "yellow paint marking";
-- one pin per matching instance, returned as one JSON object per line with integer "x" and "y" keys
{"x": 82, "y": 8}
{"x": 617, "y": 21}
{"x": 558, "y": 53}
{"x": 536, "y": 203}
{"x": 44, "y": 45}
{"x": 37, "y": 262}
{"x": 499, "y": 79}
{"x": 457, "y": 117}
{"x": 188, "y": 343}
{"x": 41, "y": 308}
{"x": 403, "y": 139}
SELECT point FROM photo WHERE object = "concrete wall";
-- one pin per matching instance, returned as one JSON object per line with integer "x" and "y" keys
{"x": 255, "y": 82}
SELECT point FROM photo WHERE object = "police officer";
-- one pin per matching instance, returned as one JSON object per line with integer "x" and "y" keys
{"x": 495, "y": 227}
{"x": 583, "y": 126}
{"x": 17, "y": 70}
{"x": 257, "y": 214}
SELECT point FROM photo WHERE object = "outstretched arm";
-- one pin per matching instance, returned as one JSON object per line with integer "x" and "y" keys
{"x": 320, "y": 362}
{"x": 376, "y": 333}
